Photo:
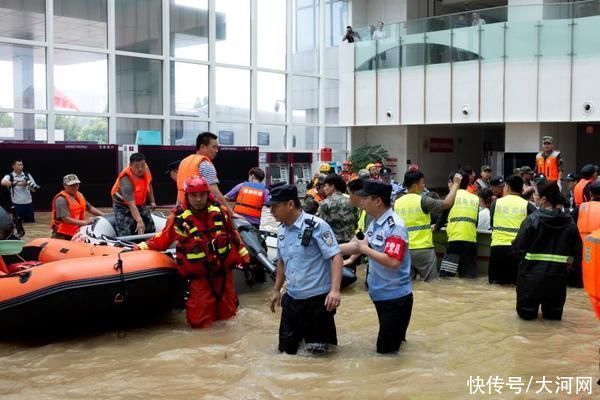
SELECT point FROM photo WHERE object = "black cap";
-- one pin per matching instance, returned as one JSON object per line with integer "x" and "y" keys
{"x": 375, "y": 188}
{"x": 283, "y": 193}
{"x": 172, "y": 166}
{"x": 385, "y": 172}
{"x": 571, "y": 176}
{"x": 497, "y": 181}
{"x": 595, "y": 188}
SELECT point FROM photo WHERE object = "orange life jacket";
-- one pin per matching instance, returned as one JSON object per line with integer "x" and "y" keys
{"x": 471, "y": 189}
{"x": 205, "y": 247}
{"x": 188, "y": 168}
{"x": 315, "y": 195}
{"x": 589, "y": 218}
{"x": 76, "y": 211}
{"x": 141, "y": 185}
{"x": 579, "y": 191}
{"x": 249, "y": 201}
{"x": 548, "y": 165}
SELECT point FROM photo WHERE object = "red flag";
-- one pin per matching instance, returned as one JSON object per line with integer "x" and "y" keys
{"x": 63, "y": 102}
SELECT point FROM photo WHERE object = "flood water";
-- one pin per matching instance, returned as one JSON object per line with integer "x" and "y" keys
{"x": 459, "y": 329}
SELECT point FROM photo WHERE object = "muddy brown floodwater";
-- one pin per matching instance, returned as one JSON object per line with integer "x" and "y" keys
{"x": 460, "y": 330}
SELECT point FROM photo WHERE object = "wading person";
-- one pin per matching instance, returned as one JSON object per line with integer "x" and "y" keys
{"x": 133, "y": 198}
{"x": 388, "y": 277}
{"x": 506, "y": 216}
{"x": 546, "y": 245}
{"x": 415, "y": 210}
{"x": 311, "y": 264}
{"x": 208, "y": 248}
{"x": 337, "y": 210}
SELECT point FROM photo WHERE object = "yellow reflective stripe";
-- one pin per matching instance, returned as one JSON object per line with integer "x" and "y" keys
{"x": 218, "y": 223}
{"x": 223, "y": 249}
{"x": 143, "y": 246}
{"x": 546, "y": 257}
{"x": 185, "y": 214}
{"x": 194, "y": 229}
{"x": 243, "y": 251}
{"x": 214, "y": 208}
{"x": 195, "y": 256}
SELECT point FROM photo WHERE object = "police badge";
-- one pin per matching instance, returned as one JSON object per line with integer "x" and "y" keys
{"x": 327, "y": 238}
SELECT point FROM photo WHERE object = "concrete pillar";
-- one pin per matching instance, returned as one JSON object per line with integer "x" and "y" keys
{"x": 522, "y": 137}
{"x": 23, "y": 92}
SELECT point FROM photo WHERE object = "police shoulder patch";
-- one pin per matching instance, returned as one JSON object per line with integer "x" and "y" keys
{"x": 327, "y": 238}
{"x": 281, "y": 237}
{"x": 390, "y": 222}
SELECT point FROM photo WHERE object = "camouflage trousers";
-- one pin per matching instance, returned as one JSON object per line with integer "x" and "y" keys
{"x": 125, "y": 224}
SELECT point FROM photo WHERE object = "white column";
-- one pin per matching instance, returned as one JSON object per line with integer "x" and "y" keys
{"x": 522, "y": 137}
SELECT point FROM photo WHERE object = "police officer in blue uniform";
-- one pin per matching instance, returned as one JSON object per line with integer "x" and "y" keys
{"x": 388, "y": 276}
{"x": 311, "y": 263}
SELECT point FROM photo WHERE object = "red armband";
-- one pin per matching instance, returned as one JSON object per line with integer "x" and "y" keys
{"x": 395, "y": 247}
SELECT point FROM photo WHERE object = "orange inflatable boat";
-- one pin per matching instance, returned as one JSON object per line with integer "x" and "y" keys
{"x": 591, "y": 269}
{"x": 52, "y": 283}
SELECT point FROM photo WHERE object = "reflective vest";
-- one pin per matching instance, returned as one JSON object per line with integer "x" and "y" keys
{"x": 462, "y": 220}
{"x": 188, "y": 168}
{"x": 76, "y": 211}
{"x": 205, "y": 247}
{"x": 418, "y": 223}
{"x": 509, "y": 214}
{"x": 141, "y": 185}
{"x": 249, "y": 201}
{"x": 548, "y": 165}
{"x": 589, "y": 218}
{"x": 362, "y": 217}
{"x": 579, "y": 191}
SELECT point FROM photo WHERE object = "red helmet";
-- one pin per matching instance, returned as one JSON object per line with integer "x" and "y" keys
{"x": 195, "y": 184}
{"x": 347, "y": 162}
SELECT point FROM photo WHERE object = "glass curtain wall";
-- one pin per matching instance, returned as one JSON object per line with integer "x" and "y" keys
{"x": 249, "y": 70}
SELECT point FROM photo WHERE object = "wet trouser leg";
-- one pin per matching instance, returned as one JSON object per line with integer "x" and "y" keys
{"x": 424, "y": 264}
{"x": 394, "y": 317}
{"x": 203, "y": 308}
{"x": 527, "y": 307}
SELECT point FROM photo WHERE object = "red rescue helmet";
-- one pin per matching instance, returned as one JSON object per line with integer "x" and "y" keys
{"x": 195, "y": 184}
{"x": 347, "y": 162}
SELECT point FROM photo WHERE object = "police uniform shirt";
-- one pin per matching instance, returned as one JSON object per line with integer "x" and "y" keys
{"x": 307, "y": 268}
{"x": 383, "y": 235}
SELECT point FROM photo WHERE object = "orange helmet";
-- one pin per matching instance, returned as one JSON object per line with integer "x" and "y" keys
{"x": 195, "y": 184}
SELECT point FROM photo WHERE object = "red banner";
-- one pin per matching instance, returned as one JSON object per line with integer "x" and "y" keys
{"x": 441, "y": 145}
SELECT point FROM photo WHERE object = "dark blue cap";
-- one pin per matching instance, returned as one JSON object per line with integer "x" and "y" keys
{"x": 497, "y": 181}
{"x": 283, "y": 193}
{"x": 375, "y": 188}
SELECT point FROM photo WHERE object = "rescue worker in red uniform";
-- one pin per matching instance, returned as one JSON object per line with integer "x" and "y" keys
{"x": 68, "y": 209}
{"x": 548, "y": 162}
{"x": 208, "y": 249}
{"x": 347, "y": 174}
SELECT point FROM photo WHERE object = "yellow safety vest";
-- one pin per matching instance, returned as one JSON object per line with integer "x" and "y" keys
{"x": 418, "y": 223}
{"x": 509, "y": 214}
{"x": 462, "y": 220}
{"x": 362, "y": 217}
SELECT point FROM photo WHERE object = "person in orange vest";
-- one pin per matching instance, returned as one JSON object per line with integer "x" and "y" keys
{"x": 589, "y": 212}
{"x": 472, "y": 176}
{"x": 200, "y": 163}
{"x": 314, "y": 196}
{"x": 347, "y": 174}
{"x": 549, "y": 162}
{"x": 250, "y": 196}
{"x": 68, "y": 209}
{"x": 581, "y": 191}
{"x": 208, "y": 248}
{"x": 131, "y": 194}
